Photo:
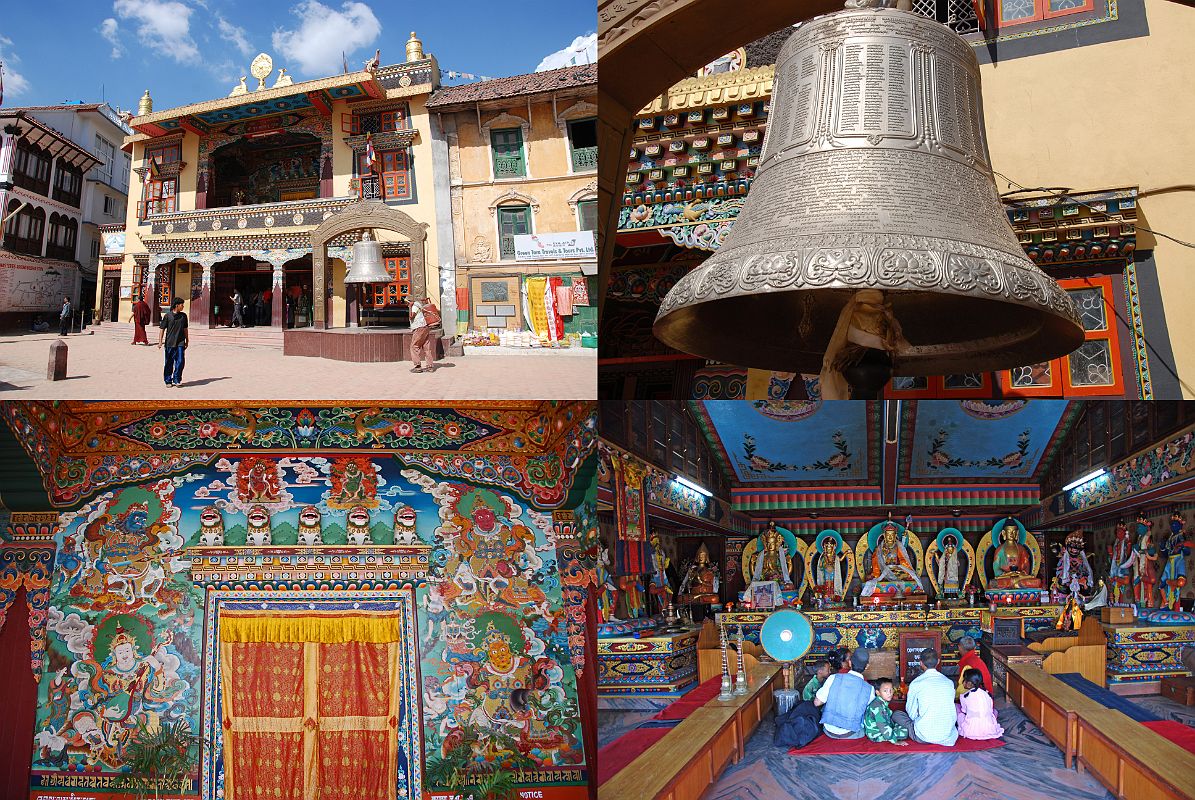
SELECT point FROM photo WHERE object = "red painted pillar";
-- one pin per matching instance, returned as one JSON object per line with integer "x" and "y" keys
{"x": 201, "y": 307}
{"x": 18, "y": 698}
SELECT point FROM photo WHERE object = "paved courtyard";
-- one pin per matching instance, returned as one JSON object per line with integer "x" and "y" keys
{"x": 101, "y": 367}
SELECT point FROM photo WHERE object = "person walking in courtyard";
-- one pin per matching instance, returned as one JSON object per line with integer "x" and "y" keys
{"x": 173, "y": 334}
{"x": 64, "y": 317}
{"x": 424, "y": 318}
{"x": 140, "y": 318}
{"x": 238, "y": 309}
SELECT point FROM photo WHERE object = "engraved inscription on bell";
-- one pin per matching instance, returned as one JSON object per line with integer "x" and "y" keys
{"x": 874, "y": 176}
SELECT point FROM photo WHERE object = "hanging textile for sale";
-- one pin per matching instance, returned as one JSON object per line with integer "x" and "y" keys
{"x": 580, "y": 289}
{"x": 632, "y": 556}
{"x": 534, "y": 305}
{"x": 564, "y": 300}
{"x": 311, "y": 705}
{"x": 555, "y": 323}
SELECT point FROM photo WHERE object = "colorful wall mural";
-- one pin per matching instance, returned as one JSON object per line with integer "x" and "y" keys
{"x": 126, "y": 642}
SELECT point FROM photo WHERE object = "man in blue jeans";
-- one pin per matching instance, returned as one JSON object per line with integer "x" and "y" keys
{"x": 173, "y": 334}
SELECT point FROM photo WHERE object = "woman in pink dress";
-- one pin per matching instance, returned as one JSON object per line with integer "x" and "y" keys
{"x": 977, "y": 714}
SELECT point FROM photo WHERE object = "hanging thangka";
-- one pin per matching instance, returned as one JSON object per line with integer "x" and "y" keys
{"x": 631, "y": 553}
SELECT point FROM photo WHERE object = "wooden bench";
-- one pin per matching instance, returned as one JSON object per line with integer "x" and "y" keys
{"x": 687, "y": 761}
{"x": 1084, "y": 652}
{"x": 1130, "y": 760}
{"x": 1050, "y": 704}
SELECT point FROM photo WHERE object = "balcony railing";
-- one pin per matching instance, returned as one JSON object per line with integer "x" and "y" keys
{"x": 235, "y": 219}
{"x": 584, "y": 158}
{"x": 508, "y": 167}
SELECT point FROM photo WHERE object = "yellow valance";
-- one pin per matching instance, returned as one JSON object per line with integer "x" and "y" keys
{"x": 314, "y": 627}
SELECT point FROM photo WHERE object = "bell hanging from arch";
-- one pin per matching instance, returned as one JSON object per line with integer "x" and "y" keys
{"x": 873, "y": 220}
{"x": 367, "y": 262}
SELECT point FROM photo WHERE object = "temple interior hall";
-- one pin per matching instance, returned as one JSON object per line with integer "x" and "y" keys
{"x": 925, "y": 598}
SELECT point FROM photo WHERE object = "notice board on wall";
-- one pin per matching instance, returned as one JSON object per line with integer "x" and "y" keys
{"x": 912, "y": 645}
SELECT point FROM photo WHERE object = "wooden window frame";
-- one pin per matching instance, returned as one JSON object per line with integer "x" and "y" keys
{"x": 530, "y": 217}
{"x": 154, "y": 191}
{"x": 1061, "y": 385}
{"x": 587, "y": 202}
{"x": 494, "y": 154}
{"x": 390, "y": 295}
{"x": 394, "y": 183}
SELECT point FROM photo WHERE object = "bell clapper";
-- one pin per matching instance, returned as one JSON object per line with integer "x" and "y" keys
{"x": 859, "y": 358}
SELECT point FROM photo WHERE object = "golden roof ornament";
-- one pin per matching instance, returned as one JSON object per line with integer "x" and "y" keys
{"x": 283, "y": 78}
{"x": 260, "y": 68}
{"x": 414, "y": 48}
{"x": 239, "y": 89}
{"x": 146, "y": 106}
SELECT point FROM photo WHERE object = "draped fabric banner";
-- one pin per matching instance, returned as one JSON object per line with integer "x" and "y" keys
{"x": 311, "y": 705}
{"x": 29, "y": 566}
{"x": 631, "y": 553}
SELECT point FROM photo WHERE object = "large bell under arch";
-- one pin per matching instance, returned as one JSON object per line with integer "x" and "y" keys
{"x": 875, "y": 175}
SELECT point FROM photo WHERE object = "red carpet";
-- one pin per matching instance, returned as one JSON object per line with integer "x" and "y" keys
{"x": 825, "y": 746}
{"x": 1182, "y": 735}
{"x": 625, "y": 749}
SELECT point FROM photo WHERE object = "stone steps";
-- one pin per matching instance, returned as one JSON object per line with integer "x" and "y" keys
{"x": 237, "y": 337}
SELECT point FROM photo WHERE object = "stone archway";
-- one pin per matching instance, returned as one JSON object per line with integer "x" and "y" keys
{"x": 645, "y": 46}
{"x": 360, "y": 215}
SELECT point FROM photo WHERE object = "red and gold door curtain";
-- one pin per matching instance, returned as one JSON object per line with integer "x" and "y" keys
{"x": 311, "y": 705}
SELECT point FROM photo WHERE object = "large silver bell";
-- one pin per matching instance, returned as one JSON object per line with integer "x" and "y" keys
{"x": 874, "y": 189}
{"x": 367, "y": 264}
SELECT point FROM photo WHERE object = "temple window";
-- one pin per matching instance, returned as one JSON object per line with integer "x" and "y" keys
{"x": 587, "y": 215}
{"x": 390, "y": 178}
{"x": 68, "y": 184}
{"x": 1017, "y": 12}
{"x": 31, "y": 169}
{"x": 159, "y": 197}
{"x": 512, "y": 221}
{"x": 167, "y": 154}
{"x": 507, "y": 147}
{"x": 359, "y": 124}
{"x": 582, "y": 142}
{"x": 273, "y": 169}
{"x": 393, "y": 294}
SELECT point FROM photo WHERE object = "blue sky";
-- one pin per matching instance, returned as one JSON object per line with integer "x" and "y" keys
{"x": 186, "y": 51}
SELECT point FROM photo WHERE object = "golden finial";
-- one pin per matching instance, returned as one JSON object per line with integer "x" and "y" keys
{"x": 146, "y": 105}
{"x": 414, "y": 48}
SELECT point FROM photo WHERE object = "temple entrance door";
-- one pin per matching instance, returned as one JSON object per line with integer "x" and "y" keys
{"x": 252, "y": 278}
{"x": 495, "y": 303}
{"x": 18, "y": 696}
{"x": 297, "y": 293}
{"x": 108, "y": 302}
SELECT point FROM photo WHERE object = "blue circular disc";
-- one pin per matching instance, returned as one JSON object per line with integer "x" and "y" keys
{"x": 786, "y": 635}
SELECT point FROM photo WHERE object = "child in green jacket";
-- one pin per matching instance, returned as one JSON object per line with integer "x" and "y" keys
{"x": 877, "y": 720}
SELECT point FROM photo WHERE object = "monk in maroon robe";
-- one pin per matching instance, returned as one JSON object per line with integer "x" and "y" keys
{"x": 140, "y": 319}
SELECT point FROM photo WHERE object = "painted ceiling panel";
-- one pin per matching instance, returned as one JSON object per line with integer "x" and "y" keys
{"x": 981, "y": 439}
{"x": 778, "y": 442}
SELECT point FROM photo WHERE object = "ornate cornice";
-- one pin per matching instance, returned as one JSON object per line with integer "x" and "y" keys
{"x": 711, "y": 90}
{"x": 306, "y": 214}
{"x": 171, "y": 169}
{"x": 387, "y": 140}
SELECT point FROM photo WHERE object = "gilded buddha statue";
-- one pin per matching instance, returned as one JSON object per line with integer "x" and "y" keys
{"x": 701, "y": 580}
{"x": 771, "y": 563}
{"x": 890, "y": 567}
{"x": 1012, "y": 563}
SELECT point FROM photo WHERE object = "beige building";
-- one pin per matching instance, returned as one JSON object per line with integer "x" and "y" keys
{"x": 522, "y": 155}
{"x": 263, "y": 193}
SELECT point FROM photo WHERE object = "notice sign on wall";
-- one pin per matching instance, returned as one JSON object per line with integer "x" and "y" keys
{"x": 540, "y": 246}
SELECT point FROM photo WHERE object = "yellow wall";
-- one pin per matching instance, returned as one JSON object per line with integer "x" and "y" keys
{"x": 1109, "y": 116}
{"x": 550, "y": 180}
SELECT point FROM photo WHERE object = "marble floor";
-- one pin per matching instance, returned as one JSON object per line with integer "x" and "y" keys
{"x": 1029, "y": 767}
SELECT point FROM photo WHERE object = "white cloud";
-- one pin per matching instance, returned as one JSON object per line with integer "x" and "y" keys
{"x": 162, "y": 25}
{"x": 110, "y": 30}
{"x": 322, "y": 34}
{"x": 235, "y": 35}
{"x": 583, "y": 50}
{"x": 14, "y": 82}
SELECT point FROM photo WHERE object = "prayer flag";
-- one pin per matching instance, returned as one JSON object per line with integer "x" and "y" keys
{"x": 370, "y": 156}
{"x": 155, "y": 167}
